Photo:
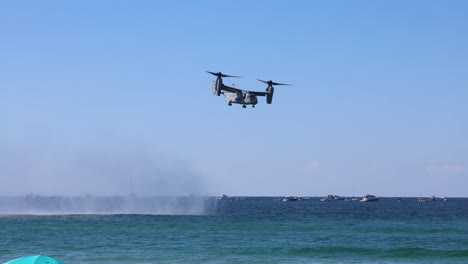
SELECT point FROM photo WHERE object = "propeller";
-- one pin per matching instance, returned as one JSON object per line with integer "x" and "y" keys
{"x": 271, "y": 83}
{"x": 220, "y": 74}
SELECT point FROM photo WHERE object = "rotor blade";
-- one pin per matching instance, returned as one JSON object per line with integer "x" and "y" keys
{"x": 225, "y": 75}
{"x": 274, "y": 83}
{"x": 220, "y": 74}
{"x": 270, "y": 82}
{"x": 214, "y": 73}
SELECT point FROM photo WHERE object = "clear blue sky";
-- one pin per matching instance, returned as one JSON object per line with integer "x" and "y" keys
{"x": 111, "y": 97}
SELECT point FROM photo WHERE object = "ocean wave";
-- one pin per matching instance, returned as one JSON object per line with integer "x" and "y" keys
{"x": 46, "y": 205}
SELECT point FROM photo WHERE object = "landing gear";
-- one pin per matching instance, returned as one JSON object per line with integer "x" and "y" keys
{"x": 244, "y": 106}
{"x": 229, "y": 103}
{"x": 253, "y": 106}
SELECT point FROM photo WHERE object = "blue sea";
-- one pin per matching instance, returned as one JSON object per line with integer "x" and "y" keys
{"x": 234, "y": 230}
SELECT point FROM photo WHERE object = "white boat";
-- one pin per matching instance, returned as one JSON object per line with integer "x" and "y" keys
{"x": 290, "y": 199}
{"x": 369, "y": 198}
{"x": 354, "y": 199}
{"x": 331, "y": 197}
{"x": 222, "y": 197}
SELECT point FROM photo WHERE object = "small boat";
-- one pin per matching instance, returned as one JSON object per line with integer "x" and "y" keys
{"x": 369, "y": 198}
{"x": 354, "y": 199}
{"x": 290, "y": 199}
{"x": 444, "y": 199}
{"x": 331, "y": 197}
{"x": 432, "y": 198}
{"x": 421, "y": 200}
{"x": 222, "y": 197}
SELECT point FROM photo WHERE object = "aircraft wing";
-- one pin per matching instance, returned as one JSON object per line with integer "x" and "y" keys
{"x": 231, "y": 89}
{"x": 257, "y": 93}
{"x": 235, "y": 90}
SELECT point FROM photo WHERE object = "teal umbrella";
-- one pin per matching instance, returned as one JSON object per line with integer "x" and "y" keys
{"x": 37, "y": 259}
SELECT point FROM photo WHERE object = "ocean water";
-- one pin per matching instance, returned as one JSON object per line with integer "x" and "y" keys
{"x": 245, "y": 230}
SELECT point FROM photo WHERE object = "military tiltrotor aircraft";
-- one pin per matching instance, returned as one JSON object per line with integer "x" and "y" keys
{"x": 238, "y": 96}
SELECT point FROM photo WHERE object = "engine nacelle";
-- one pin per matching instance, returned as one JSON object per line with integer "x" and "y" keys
{"x": 216, "y": 87}
{"x": 218, "y": 90}
{"x": 269, "y": 96}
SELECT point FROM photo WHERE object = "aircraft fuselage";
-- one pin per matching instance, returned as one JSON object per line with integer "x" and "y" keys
{"x": 240, "y": 98}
